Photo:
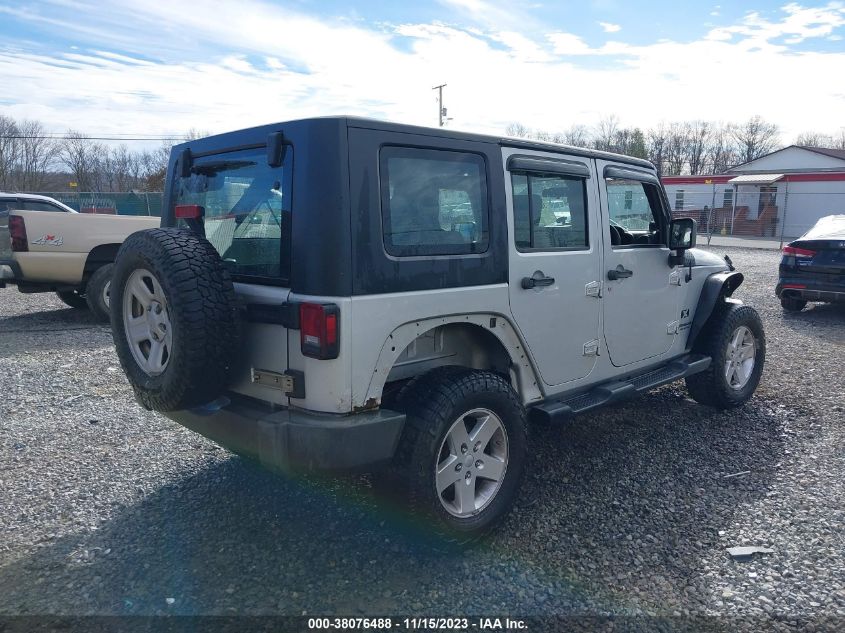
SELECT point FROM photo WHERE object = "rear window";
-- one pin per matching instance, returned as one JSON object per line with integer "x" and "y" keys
{"x": 247, "y": 211}
{"x": 434, "y": 202}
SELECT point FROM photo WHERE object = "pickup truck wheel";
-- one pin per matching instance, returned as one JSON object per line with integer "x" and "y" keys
{"x": 463, "y": 450}
{"x": 73, "y": 298}
{"x": 174, "y": 318}
{"x": 97, "y": 292}
{"x": 791, "y": 304}
{"x": 736, "y": 343}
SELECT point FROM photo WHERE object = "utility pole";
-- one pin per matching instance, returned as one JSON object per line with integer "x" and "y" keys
{"x": 441, "y": 111}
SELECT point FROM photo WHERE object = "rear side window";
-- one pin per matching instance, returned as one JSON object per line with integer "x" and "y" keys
{"x": 434, "y": 202}
{"x": 37, "y": 205}
{"x": 247, "y": 207}
{"x": 549, "y": 212}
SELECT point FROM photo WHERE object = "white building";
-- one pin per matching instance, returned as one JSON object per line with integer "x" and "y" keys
{"x": 782, "y": 193}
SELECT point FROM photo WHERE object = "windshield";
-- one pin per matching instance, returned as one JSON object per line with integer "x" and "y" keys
{"x": 247, "y": 211}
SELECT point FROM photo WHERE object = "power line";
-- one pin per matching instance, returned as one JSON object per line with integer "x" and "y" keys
{"x": 51, "y": 137}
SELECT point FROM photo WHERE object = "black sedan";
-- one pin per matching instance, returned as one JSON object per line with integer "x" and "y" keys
{"x": 813, "y": 266}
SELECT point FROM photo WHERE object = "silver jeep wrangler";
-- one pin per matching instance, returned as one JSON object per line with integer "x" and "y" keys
{"x": 340, "y": 293}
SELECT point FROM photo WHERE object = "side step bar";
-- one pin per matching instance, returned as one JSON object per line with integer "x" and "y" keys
{"x": 616, "y": 390}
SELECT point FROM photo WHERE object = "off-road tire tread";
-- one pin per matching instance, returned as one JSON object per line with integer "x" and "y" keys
{"x": 203, "y": 314}
{"x": 710, "y": 387}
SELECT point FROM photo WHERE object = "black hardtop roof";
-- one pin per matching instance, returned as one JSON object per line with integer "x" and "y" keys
{"x": 237, "y": 137}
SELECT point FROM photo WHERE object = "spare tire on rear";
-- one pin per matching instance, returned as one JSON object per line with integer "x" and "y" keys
{"x": 174, "y": 318}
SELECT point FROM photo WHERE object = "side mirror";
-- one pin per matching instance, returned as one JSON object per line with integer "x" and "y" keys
{"x": 682, "y": 232}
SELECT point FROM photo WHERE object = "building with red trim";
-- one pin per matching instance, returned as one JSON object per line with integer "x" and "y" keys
{"x": 780, "y": 194}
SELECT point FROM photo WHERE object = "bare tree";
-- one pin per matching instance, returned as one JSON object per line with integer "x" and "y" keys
{"x": 839, "y": 139}
{"x": 755, "y": 138}
{"x": 9, "y": 150}
{"x": 721, "y": 154}
{"x": 577, "y": 136}
{"x": 814, "y": 139}
{"x": 656, "y": 142}
{"x": 676, "y": 148}
{"x": 81, "y": 156}
{"x": 517, "y": 129}
{"x": 606, "y": 131}
{"x": 698, "y": 137}
{"x": 37, "y": 154}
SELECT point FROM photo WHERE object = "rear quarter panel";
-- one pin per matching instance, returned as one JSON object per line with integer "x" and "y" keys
{"x": 59, "y": 243}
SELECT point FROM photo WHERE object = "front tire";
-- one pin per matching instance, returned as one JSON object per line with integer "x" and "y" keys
{"x": 97, "y": 292}
{"x": 73, "y": 298}
{"x": 736, "y": 343}
{"x": 463, "y": 451}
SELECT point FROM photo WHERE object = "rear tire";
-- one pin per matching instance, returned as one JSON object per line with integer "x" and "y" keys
{"x": 174, "y": 318}
{"x": 791, "y": 304}
{"x": 97, "y": 292}
{"x": 463, "y": 451}
{"x": 735, "y": 341}
{"x": 73, "y": 298}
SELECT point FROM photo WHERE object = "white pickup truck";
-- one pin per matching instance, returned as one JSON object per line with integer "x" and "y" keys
{"x": 45, "y": 246}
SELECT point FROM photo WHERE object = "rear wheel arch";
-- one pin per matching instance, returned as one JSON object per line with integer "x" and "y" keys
{"x": 474, "y": 341}
{"x": 100, "y": 256}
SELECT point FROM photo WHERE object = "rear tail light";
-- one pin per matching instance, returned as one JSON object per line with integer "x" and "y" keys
{"x": 188, "y": 211}
{"x": 17, "y": 231}
{"x": 795, "y": 251}
{"x": 319, "y": 330}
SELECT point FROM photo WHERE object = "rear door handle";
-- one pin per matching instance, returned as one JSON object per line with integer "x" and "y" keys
{"x": 537, "y": 279}
{"x": 620, "y": 272}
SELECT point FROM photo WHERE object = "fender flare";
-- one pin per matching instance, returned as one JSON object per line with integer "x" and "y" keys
{"x": 716, "y": 287}
{"x": 525, "y": 375}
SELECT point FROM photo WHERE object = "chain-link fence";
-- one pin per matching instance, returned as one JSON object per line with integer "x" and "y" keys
{"x": 767, "y": 213}
{"x": 129, "y": 203}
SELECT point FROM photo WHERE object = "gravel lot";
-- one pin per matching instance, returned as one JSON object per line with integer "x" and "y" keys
{"x": 109, "y": 509}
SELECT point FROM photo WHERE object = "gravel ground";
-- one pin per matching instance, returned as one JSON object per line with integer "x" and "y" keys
{"x": 109, "y": 509}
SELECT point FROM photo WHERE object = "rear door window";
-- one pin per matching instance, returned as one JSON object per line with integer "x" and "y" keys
{"x": 247, "y": 210}
{"x": 550, "y": 211}
{"x": 434, "y": 202}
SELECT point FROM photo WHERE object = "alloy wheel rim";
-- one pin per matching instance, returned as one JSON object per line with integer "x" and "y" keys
{"x": 146, "y": 322}
{"x": 106, "y": 294}
{"x": 471, "y": 463}
{"x": 740, "y": 357}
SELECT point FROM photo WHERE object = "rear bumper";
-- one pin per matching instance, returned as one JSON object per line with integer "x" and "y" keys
{"x": 810, "y": 290}
{"x": 299, "y": 440}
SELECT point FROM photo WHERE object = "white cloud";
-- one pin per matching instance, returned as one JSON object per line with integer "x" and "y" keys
{"x": 235, "y": 65}
{"x": 609, "y": 27}
{"x": 569, "y": 44}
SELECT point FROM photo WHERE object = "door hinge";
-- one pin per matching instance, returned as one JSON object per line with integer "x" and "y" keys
{"x": 672, "y": 328}
{"x": 593, "y": 289}
{"x": 291, "y": 382}
{"x": 591, "y": 348}
{"x": 675, "y": 278}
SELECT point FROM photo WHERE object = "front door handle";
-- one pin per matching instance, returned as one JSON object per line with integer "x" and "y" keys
{"x": 537, "y": 279}
{"x": 620, "y": 272}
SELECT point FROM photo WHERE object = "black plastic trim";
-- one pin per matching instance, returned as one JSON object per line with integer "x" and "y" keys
{"x": 628, "y": 173}
{"x": 298, "y": 391}
{"x": 285, "y": 314}
{"x": 716, "y": 287}
{"x": 520, "y": 162}
{"x": 292, "y": 439}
